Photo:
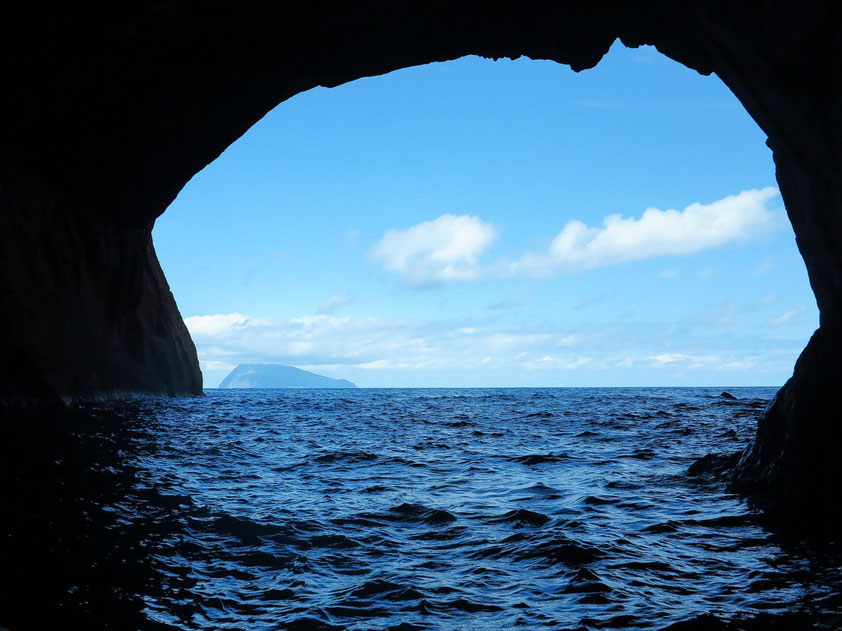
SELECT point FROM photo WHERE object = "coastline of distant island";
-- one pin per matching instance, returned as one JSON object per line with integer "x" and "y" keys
{"x": 279, "y": 376}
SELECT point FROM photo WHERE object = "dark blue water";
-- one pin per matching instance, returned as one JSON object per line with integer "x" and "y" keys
{"x": 397, "y": 509}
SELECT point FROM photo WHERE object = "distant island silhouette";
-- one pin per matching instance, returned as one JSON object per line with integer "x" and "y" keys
{"x": 279, "y": 376}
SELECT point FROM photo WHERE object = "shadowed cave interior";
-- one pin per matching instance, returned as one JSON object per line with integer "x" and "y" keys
{"x": 108, "y": 124}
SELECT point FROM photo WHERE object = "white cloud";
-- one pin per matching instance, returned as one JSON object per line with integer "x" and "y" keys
{"x": 221, "y": 323}
{"x": 384, "y": 351}
{"x": 788, "y": 317}
{"x": 447, "y": 248}
{"x": 335, "y": 302}
{"x": 745, "y": 364}
{"x": 549, "y": 362}
{"x": 369, "y": 344}
{"x": 579, "y": 247}
{"x": 669, "y": 358}
{"x": 709, "y": 363}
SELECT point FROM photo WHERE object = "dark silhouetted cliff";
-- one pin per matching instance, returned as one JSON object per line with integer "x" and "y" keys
{"x": 109, "y": 109}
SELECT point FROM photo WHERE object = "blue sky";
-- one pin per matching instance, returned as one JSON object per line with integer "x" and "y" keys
{"x": 508, "y": 223}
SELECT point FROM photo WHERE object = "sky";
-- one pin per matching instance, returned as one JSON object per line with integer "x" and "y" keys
{"x": 482, "y": 223}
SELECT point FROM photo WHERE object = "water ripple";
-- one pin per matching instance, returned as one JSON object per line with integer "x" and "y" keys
{"x": 397, "y": 509}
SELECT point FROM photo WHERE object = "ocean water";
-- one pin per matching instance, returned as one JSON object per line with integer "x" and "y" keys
{"x": 397, "y": 509}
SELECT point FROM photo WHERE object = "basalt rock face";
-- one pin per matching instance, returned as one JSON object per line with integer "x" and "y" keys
{"x": 86, "y": 311}
{"x": 110, "y": 109}
{"x": 793, "y": 467}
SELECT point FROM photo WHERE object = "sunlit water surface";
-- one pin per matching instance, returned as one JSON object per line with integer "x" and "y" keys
{"x": 396, "y": 509}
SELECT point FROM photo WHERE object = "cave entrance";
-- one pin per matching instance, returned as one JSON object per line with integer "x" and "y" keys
{"x": 451, "y": 225}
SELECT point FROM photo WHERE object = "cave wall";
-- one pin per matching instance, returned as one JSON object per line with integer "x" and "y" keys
{"x": 111, "y": 108}
{"x": 86, "y": 311}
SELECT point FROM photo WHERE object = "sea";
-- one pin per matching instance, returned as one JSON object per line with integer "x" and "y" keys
{"x": 399, "y": 509}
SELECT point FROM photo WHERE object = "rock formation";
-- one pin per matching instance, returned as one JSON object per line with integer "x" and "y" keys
{"x": 278, "y": 376}
{"x": 109, "y": 109}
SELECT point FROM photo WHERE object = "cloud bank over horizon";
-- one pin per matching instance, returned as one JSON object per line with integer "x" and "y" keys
{"x": 487, "y": 351}
{"x": 375, "y": 351}
{"x": 450, "y": 247}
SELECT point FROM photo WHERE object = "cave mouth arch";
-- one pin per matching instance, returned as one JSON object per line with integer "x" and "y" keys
{"x": 115, "y": 110}
{"x": 505, "y": 143}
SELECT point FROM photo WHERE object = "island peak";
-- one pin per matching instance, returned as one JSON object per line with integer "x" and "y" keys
{"x": 279, "y": 376}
